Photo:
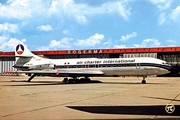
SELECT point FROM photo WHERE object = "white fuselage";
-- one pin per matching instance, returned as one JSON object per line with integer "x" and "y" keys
{"x": 110, "y": 66}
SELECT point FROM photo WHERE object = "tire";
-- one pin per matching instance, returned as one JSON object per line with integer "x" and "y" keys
{"x": 143, "y": 81}
{"x": 70, "y": 81}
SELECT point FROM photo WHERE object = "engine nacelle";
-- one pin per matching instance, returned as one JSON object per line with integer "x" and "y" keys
{"x": 41, "y": 66}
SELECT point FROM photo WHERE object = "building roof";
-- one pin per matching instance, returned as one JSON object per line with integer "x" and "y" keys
{"x": 99, "y": 51}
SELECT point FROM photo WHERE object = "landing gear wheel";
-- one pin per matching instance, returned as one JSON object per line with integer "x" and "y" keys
{"x": 82, "y": 80}
{"x": 73, "y": 81}
{"x": 76, "y": 80}
{"x": 70, "y": 81}
{"x": 143, "y": 81}
{"x": 88, "y": 80}
{"x": 65, "y": 80}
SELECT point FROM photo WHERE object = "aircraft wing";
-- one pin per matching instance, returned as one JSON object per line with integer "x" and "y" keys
{"x": 64, "y": 72}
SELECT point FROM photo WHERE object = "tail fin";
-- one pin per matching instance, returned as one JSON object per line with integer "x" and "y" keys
{"x": 22, "y": 51}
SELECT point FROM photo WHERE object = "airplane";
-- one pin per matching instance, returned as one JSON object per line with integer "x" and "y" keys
{"x": 33, "y": 65}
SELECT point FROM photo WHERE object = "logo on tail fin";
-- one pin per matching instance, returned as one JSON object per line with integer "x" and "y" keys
{"x": 19, "y": 49}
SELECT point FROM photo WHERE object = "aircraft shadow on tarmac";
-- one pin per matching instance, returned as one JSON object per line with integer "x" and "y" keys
{"x": 129, "y": 83}
{"x": 41, "y": 83}
{"x": 169, "y": 99}
{"x": 128, "y": 110}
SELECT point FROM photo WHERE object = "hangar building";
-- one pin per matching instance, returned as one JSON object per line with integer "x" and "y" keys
{"x": 169, "y": 54}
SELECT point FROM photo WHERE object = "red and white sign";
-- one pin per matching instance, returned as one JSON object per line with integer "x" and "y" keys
{"x": 84, "y": 51}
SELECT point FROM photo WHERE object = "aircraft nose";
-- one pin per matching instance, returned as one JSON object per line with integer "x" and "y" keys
{"x": 167, "y": 71}
{"x": 169, "y": 68}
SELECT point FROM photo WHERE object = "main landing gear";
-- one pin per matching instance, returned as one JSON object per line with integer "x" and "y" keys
{"x": 32, "y": 76}
{"x": 144, "y": 81}
{"x": 76, "y": 80}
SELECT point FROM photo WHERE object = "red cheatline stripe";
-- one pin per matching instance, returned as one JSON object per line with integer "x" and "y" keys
{"x": 57, "y": 72}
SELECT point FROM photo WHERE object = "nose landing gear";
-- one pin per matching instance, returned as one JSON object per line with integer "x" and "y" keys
{"x": 144, "y": 81}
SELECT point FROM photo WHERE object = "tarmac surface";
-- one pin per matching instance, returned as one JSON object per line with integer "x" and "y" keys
{"x": 103, "y": 98}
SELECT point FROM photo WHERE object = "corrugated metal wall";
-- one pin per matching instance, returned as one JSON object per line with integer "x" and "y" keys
{"x": 6, "y": 64}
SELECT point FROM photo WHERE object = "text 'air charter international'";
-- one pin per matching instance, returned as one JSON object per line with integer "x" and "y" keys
{"x": 106, "y": 61}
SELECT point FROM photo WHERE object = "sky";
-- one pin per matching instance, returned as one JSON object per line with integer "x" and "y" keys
{"x": 89, "y": 24}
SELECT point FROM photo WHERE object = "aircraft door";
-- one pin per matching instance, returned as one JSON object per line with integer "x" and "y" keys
{"x": 138, "y": 65}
